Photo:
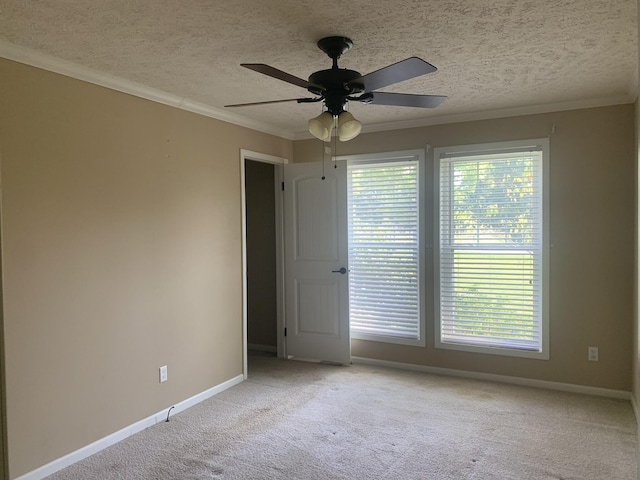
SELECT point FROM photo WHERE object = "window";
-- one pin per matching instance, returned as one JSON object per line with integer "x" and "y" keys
{"x": 492, "y": 256}
{"x": 384, "y": 249}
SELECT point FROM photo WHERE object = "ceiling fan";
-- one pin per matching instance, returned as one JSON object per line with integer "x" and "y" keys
{"x": 335, "y": 87}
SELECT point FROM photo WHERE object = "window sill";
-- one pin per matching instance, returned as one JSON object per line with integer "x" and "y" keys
{"x": 388, "y": 339}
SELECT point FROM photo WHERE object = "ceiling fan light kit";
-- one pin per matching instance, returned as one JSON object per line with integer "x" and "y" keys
{"x": 321, "y": 126}
{"x": 335, "y": 87}
{"x": 348, "y": 127}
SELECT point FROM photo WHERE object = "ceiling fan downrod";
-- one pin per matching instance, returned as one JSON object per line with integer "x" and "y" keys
{"x": 338, "y": 83}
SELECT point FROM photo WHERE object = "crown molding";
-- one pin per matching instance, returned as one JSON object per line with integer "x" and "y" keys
{"x": 50, "y": 63}
{"x": 33, "y": 58}
{"x": 490, "y": 114}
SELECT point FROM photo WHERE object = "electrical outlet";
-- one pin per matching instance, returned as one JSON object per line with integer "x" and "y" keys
{"x": 163, "y": 374}
{"x": 593, "y": 354}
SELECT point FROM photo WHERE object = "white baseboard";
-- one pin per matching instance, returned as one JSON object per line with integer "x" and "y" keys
{"x": 120, "y": 435}
{"x": 527, "y": 382}
{"x": 262, "y": 348}
{"x": 635, "y": 410}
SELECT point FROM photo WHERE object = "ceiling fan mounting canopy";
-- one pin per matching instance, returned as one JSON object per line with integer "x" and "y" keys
{"x": 335, "y": 46}
{"x": 337, "y": 86}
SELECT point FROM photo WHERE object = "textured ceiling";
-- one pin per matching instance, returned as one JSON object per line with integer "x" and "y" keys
{"x": 491, "y": 54}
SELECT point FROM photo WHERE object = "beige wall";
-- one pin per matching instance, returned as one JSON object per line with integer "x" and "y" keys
{"x": 121, "y": 245}
{"x": 4, "y": 466}
{"x": 261, "y": 251}
{"x": 122, "y": 253}
{"x": 592, "y": 235}
{"x": 636, "y": 284}
{"x": 636, "y": 260}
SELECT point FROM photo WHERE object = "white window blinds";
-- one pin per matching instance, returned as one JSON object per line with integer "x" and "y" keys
{"x": 383, "y": 249}
{"x": 491, "y": 247}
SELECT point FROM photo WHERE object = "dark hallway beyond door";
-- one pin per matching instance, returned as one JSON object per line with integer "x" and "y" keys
{"x": 261, "y": 260}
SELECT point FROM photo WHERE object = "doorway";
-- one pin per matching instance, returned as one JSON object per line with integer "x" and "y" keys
{"x": 261, "y": 261}
{"x": 263, "y": 318}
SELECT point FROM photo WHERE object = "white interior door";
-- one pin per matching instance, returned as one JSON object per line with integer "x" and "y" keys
{"x": 316, "y": 270}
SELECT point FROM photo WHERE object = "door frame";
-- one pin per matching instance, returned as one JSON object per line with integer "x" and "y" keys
{"x": 278, "y": 162}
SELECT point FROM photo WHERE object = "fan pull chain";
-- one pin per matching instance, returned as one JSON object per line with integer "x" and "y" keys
{"x": 335, "y": 142}
{"x": 322, "y": 146}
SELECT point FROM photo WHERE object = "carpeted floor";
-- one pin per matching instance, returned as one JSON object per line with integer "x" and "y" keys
{"x": 303, "y": 421}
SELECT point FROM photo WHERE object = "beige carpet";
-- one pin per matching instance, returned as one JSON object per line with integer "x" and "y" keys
{"x": 295, "y": 420}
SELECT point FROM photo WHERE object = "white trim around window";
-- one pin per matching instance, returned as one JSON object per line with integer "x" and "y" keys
{"x": 373, "y": 307}
{"x": 480, "y": 305}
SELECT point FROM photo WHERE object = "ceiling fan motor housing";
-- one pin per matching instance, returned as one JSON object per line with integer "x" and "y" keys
{"x": 337, "y": 87}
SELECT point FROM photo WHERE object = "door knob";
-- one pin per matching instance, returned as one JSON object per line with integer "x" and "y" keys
{"x": 342, "y": 271}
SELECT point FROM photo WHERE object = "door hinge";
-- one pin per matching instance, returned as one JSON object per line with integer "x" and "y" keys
{"x": 283, "y": 186}
{"x": 285, "y": 331}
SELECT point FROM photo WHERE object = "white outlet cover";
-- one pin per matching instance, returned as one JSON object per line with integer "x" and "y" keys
{"x": 163, "y": 374}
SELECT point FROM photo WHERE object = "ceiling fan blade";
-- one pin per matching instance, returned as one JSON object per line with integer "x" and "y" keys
{"x": 275, "y": 73}
{"x": 405, "y": 99}
{"x": 398, "y": 72}
{"x": 299, "y": 100}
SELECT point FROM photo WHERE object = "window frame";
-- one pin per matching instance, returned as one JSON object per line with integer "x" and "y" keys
{"x": 543, "y": 144}
{"x": 390, "y": 157}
